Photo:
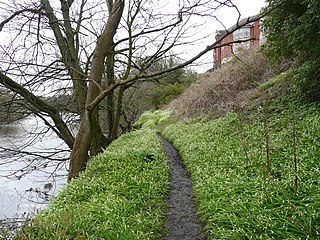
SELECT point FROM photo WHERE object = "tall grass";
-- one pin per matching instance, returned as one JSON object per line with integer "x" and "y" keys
{"x": 227, "y": 162}
{"x": 122, "y": 195}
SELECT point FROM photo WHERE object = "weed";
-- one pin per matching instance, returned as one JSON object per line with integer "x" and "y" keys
{"x": 153, "y": 119}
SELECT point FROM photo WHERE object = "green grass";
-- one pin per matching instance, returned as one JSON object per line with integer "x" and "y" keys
{"x": 236, "y": 196}
{"x": 280, "y": 79}
{"x": 122, "y": 195}
{"x": 157, "y": 119}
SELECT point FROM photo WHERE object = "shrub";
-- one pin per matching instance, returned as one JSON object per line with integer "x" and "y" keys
{"x": 292, "y": 30}
{"x": 166, "y": 93}
{"x": 225, "y": 90}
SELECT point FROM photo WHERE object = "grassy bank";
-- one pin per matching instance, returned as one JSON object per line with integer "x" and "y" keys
{"x": 257, "y": 176}
{"x": 255, "y": 170}
{"x": 122, "y": 195}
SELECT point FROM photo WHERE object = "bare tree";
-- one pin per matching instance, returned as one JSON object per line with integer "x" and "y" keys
{"x": 93, "y": 50}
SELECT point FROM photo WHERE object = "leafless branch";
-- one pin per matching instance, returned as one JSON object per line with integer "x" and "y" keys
{"x": 17, "y": 13}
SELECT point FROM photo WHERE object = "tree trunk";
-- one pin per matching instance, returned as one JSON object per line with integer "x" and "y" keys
{"x": 90, "y": 122}
{"x": 110, "y": 113}
{"x": 99, "y": 141}
{"x": 69, "y": 51}
{"x": 79, "y": 155}
{"x": 116, "y": 124}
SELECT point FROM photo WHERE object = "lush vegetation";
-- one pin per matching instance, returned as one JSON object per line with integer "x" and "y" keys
{"x": 256, "y": 176}
{"x": 171, "y": 87}
{"x": 255, "y": 170}
{"x": 293, "y": 35}
{"x": 154, "y": 119}
{"x": 122, "y": 195}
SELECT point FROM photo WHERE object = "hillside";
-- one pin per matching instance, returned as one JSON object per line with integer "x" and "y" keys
{"x": 229, "y": 89}
{"x": 255, "y": 176}
{"x": 249, "y": 144}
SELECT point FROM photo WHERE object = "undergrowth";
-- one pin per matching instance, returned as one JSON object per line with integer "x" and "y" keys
{"x": 225, "y": 90}
{"x": 255, "y": 173}
{"x": 157, "y": 119}
{"x": 121, "y": 195}
{"x": 238, "y": 195}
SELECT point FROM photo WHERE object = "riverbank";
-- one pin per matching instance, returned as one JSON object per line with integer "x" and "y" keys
{"x": 122, "y": 195}
{"x": 254, "y": 181}
{"x": 28, "y": 181}
{"x": 255, "y": 172}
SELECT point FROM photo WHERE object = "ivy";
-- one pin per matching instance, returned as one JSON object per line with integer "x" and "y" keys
{"x": 293, "y": 34}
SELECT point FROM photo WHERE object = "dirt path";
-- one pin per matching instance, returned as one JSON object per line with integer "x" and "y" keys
{"x": 182, "y": 221}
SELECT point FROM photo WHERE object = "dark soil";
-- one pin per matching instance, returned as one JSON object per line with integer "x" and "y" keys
{"x": 182, "y": 221}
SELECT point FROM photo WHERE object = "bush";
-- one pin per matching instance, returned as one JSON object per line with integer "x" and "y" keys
{"x": 166, "y": 93}
{"x": 292, "y": 30}
{"x": 307, "y": 78}
{"x": 225, "y": 90}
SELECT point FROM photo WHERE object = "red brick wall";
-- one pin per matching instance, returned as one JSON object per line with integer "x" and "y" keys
{"x": 217, "y": 58}
{"x": 255, "y": 33}
{"x": 226, "y": 51}
{"x": 223, "y": 52}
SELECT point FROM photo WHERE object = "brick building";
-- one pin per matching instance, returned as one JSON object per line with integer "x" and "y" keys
{"x": 251, "y": 32}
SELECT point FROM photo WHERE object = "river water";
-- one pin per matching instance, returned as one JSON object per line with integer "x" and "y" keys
{"x": 28, "y": 182}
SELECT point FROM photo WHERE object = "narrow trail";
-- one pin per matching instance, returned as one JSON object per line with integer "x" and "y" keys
{"x": 182, "y": 221}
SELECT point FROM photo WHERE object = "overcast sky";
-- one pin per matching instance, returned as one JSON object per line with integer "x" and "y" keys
{"x": 246, "y": 7}
{"x": 228, "y": 17}
{"x": 206, "y": 33}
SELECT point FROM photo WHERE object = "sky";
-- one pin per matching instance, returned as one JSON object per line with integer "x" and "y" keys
{"x": 246, "y": 7}
{"x": 226, "y": 15}
{"x": 228, "y": 18}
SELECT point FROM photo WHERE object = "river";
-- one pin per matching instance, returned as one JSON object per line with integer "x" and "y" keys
{"x": 23, "y": 192}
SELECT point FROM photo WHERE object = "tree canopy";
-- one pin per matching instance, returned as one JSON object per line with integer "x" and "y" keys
{"x": 293, "y": 33}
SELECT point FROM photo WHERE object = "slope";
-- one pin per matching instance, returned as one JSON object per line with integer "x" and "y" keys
{"x": 249, "y": 144}
{"x": 252, "y": 148}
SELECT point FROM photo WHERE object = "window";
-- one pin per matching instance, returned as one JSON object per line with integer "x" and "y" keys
{"x": 247, "y": 32}
{"x": 242, "y": 33}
